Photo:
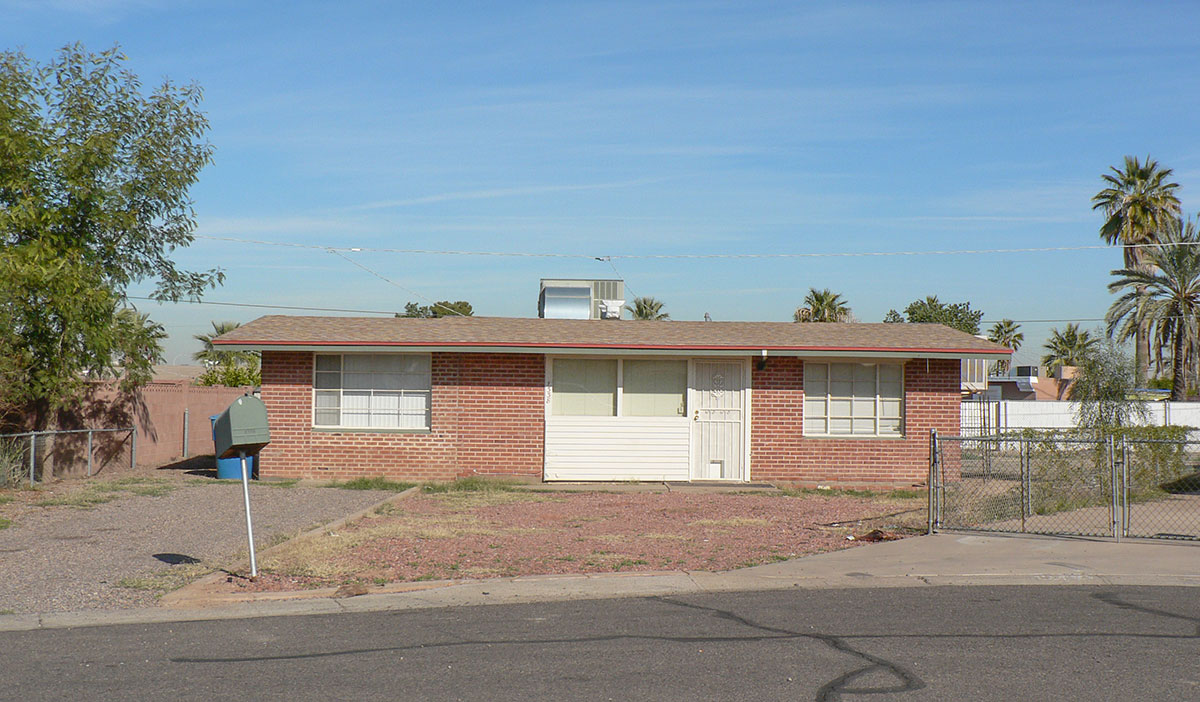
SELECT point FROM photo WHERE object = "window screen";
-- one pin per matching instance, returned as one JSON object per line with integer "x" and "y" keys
{"x": 584, "y": 387}
{"x": 654, "y": 388}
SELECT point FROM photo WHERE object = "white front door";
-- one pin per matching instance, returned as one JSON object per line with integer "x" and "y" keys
{"x": 718, "y": 420}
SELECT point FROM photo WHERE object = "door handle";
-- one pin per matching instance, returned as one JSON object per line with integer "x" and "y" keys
{"x": 696, "y": 416}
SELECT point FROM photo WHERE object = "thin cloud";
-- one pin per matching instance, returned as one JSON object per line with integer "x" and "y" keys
{"x": 499, "y": 193}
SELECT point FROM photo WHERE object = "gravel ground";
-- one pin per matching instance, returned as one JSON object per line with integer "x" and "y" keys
{"x": 125, "y": 553}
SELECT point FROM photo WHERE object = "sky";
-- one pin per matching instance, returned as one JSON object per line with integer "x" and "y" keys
{"x": 632, "y": 130}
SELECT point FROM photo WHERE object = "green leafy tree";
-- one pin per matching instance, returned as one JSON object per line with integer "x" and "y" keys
{"x": 1163, "y": 293}
{"x": 1138, "y": 202}
{"x": 63, "y": 325}
{"x": 441, "y": 308}
{"x": 94, "y": 180}
{"x": 822, "y": 306}
{"x": 1069, "y": 347}
{"x": 1008, "y": 334}
{"x": 957, "y": 315}
{"x": 893, "y": 317}
{"x": 647, "y": 308}
{"x": 1104, "y": 388}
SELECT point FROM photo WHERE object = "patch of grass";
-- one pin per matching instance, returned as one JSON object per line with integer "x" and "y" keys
{"x": 899, "y": 494}
{"x": 7, "y": 611}
{"x": 731, "y": 522}
{"x": 84, "y": 499}
{"x": 474, "y": 483}
{"x": 100, "y": 492}
{"x": 288, "y": 483}
{"x": 165, "y": 581}
{"x": 145, "y": 487}
{"x": 5, "y": 523}
{"x": 4, "y": 499}
{"x": 377, "y": 482}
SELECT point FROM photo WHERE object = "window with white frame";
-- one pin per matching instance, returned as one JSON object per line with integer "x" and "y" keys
{"x": 372, "y": 391}
{"x": 853, "y": 399}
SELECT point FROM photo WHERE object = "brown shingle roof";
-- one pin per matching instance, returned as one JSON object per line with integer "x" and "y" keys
{"x": 275, "y": 331}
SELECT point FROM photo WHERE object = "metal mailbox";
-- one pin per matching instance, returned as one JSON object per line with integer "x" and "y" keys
{"x": 242, "y": 428}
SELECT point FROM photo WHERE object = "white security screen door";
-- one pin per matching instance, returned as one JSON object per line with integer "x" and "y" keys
{"x": 718, "y": 416}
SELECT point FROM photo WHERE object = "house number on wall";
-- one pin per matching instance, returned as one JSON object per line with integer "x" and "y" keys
{"x": 718, "y": 385}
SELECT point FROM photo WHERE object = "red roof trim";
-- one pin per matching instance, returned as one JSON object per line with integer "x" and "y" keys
{"x": 631, "y": 347}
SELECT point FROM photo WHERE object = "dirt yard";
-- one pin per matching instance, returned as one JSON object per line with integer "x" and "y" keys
{"x": 462, "y": 535}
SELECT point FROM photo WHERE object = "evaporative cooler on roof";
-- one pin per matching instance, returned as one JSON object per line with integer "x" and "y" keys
{"x": 581, "y": 299}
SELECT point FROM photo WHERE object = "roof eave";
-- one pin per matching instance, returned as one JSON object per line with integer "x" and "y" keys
{"x": 616, "y": 349}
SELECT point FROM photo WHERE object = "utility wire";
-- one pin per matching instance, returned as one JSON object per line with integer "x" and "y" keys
{"x": 392, "y": 282}
{"x": 392, "y": 312}
{"x": 251, "y": 304}
{"x": 608, "y": 260}
{"x": 609, "y": 257}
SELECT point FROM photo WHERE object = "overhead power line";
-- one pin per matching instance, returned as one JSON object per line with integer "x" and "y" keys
{"x": 610, "y": 257}
{"x": 389, "y": 281}
{"x": 257, "y": 305}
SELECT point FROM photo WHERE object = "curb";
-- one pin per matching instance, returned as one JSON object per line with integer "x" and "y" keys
{"x": 193, "y": 594}
{"x": 557, "y": 588}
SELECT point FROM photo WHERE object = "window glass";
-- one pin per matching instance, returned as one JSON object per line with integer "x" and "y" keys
{"x": 385, "y": 391}
{"x": 584, "y": 387}
{"x": 859, "y": 399}
{"x": 654, "y": 388}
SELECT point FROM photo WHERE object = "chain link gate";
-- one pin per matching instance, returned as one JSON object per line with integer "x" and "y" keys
{"x": 1065, "y": 485}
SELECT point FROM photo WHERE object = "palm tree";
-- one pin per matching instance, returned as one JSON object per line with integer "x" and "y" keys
{"x": 1006, "y": 333}
{"x": 1163, "y": 295}
{"x": 1070, "y": 347}
{"x": 822, "y": 306}
{"x": 647, "y": 308}
{"x": 1138, "y": 203}
{"x": 209, "y": 355}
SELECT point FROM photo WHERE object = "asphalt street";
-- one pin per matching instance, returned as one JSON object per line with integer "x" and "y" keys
{"x": 931, "y": 643}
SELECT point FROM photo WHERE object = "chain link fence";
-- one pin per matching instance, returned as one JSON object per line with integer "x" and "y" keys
{"x": 33, "y": 457}
{"x": 1052, "y": 483}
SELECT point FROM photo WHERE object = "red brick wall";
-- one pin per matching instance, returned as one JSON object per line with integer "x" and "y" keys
{"x": 779, "y": 452}
{"x": 487, "y": 418}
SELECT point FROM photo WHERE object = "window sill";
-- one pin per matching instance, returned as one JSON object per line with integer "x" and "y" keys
{"x": 369, "y": 430}
{"x": 857, "y": 437}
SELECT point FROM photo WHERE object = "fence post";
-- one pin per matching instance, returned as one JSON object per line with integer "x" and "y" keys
{"x": 185, "y": 431}
{"x": 32, "y": 452}
{"x": 1113, "y": 481}
{"x": 1124, "y": 487}
{"x": 133, "y": 447}
{"x": 89, "y": 451}
{"x": 933, "y": 476}
{"x": 1023, "y": 460}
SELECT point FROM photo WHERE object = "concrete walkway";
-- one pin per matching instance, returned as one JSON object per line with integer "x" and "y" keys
{"x": 938, "y": 560}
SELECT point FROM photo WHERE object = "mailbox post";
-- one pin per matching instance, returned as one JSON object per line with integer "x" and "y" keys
{"x": 242, "y": 430}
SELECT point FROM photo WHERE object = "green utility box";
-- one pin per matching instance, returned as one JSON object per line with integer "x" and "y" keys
{"x": 241, "y": 428}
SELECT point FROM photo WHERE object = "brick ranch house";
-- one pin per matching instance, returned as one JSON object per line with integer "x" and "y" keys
{"x": 606, "y": 400}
